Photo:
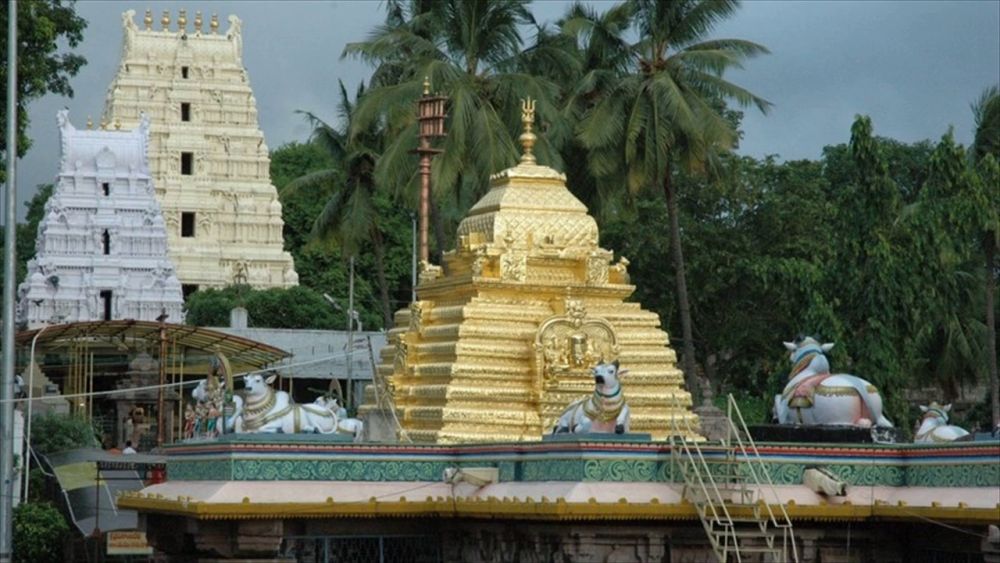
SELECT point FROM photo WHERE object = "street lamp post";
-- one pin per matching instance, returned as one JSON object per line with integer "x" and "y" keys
{"x": 160, "y": 418}
{"x": 26, "y": 462}
{"x": 430, "y": 116}
{"x": 10, "y": 257}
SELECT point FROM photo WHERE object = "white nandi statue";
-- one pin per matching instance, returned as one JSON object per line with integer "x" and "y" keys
{"x": 604, "y": 411}
{"x": 353, "y": 426}
{"x": 815, "y": 396}
{"x": 267, "y": 410}
{"x": 934, "y": 425}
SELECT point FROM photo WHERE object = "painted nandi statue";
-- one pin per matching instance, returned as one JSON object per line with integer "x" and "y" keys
{"x": 604, "y": 411}
{"x": 934, "y": 425}
{"x": 815, "y": 396}
{"x": 353, "y": 426}
{"x": 266, "y": 410}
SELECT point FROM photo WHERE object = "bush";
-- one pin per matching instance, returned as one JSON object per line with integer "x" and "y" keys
{"x": 39, "y": 532}
{"x": 57, "y": 432}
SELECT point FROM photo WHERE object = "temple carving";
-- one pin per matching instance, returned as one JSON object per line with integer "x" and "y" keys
{"x": 504, "y": 335}
{"x": 207, "y": 154}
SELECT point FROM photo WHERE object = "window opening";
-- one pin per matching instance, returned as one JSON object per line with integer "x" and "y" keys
{"x": 187, "y": 224}
{"x": 184, "y": 72}
{"x": 106, "y": 296}
{"x": 187, "y": 163}
{"x": 106, "y": 188}
{"x": 188, "y": 288}
{"x": 106, "y": 242}
{"x": 185, "y": 111}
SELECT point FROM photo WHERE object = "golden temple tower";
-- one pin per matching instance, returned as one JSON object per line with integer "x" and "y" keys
{"x": 503, "y": 337}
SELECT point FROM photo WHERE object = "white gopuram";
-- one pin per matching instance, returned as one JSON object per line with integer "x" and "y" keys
{"x": 209, "y": 162}
{"x": 101, "y": 251}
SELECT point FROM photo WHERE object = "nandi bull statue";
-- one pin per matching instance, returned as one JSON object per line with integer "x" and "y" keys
{"x": 815, "y": 396}
{"x": 934, "y": 425}
{"x": 604, "y": 411}
{"x": 267, "y": 410}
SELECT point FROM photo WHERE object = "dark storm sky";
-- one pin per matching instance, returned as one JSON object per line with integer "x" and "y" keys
{"x": 913, "y": 66}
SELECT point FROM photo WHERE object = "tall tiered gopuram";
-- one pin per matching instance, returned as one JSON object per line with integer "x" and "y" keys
{"x": 207, "y": 153}
{"x": 101, "y": 251}
{"x": 503, "y": 338}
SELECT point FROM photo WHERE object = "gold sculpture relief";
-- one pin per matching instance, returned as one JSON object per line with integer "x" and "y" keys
{"x": 513, "y": 267}
{"x": 416, "y": 315}
{"x": 567, "y": 346}
{"x": 597, "y": 269}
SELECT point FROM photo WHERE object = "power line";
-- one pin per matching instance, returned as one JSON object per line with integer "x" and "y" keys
{"x": 177, "y": 384}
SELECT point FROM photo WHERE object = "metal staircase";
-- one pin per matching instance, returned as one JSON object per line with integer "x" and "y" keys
{"x": 726, "y": 481}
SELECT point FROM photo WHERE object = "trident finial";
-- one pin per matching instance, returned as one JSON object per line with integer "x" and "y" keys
{"x": 527, "y": 138}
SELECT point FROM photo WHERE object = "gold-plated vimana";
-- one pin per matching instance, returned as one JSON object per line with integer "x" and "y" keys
{"x": 497, "y": 347}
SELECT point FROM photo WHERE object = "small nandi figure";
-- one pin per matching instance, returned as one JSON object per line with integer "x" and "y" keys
{"x": 353, "y": 426}
{"x": 934, "y": 426}
{"x": 604, "y": 411}
{"x": 815, "y": 396}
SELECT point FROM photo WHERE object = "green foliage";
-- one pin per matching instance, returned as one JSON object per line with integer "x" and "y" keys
{"x": 39, "y": 532}
{"x": 27, "y": 232}
{"x": 295, "y": 307}
{"x": 45, "y": 29}
{"x": 52, "y": 432}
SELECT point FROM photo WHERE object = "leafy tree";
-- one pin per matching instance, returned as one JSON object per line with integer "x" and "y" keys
{"x": 876, "y": 276}
{"x": 471, "y": 50}
{"x": 45, "y": 28}
{"x": 39, "y": 532}
{"x": 27, "y": 232}
{"x": 300, "y": 207}
{"x": 52, "y": 432}
{"x": 946, "y": 232}
{"x": 668, "y": 112}
{"x": 597, "y": 42}
{"x": 295, "y": 307}
{"x": 986, "y": 153}
{"x": 349, "y": 216}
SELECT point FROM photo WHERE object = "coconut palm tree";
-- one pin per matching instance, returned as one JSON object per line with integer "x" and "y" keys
{"x": 349, "y": 217}
{"x": 986, "y": 153}
{"x": 470, "y": 50}
{"x": 669, "y": 112}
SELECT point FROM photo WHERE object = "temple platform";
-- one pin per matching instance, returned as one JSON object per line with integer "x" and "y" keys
{"x": 274, "y": 496}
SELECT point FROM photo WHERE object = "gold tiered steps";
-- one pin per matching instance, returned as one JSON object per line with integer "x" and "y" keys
{"x": 503, "y": 337}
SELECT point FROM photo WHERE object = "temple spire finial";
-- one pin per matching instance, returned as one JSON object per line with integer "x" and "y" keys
{"x": 427, "y": 86}
{"x": 527, "y": 138}
{"x": 148, "y": 19}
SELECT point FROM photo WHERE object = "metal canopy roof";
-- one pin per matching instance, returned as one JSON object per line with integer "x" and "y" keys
{"x": 236, "y": 348}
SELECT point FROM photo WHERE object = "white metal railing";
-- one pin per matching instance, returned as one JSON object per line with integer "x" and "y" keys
{"x": 756, "y": 467}
{"x": 701, "y": 488}
{"x": 710, "y": 498}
